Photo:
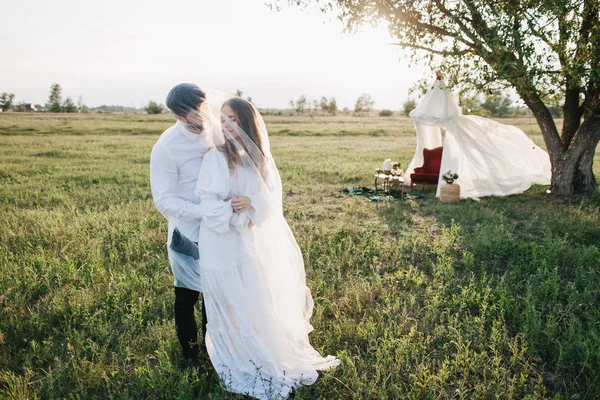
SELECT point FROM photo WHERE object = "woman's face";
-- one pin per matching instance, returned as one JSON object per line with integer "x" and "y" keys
{"x": 228, "y": 116}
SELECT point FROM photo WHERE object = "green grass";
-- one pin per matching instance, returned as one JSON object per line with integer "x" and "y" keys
{"x": 492, "y": 299}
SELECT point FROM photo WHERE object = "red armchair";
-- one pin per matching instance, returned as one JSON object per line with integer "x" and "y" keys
{"x": 429, "y": 173}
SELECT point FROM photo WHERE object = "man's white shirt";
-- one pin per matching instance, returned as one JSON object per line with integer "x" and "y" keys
{"x": 174, "y": 167}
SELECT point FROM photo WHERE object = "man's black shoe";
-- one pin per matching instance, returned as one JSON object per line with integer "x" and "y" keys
{"x": 190, "y": 363}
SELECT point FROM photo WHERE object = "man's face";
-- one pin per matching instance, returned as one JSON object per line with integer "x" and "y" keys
{"x": 194, "y": 120}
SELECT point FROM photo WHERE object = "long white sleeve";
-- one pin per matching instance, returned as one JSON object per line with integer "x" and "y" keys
{"x": 255, "y": 214}
{"x": 163, "y": 181}
{"x": 214, "y": 190}
{"x": 263, "y": 196}
{"x": 240, "y": 220}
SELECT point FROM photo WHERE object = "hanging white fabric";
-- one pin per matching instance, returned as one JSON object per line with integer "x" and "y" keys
{"x": 491, "y": 158}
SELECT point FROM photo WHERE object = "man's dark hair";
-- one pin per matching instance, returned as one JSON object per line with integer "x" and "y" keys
{"x": 184, "y": 98}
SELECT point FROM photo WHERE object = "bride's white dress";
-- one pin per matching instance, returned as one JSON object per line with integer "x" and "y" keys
{"x": 253, "y": 283}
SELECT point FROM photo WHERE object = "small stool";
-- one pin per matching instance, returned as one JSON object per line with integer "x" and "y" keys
{"x": 385, "y": 180}
{"x": 450, "y": 193}
{"x": 391, "y": 183}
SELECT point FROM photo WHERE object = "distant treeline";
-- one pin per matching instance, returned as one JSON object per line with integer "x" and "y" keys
{"x": 496, "y": 105}
{"x": 58, "y": 105}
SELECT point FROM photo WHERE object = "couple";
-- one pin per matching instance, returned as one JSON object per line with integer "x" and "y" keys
{"x": 214, "y": 178}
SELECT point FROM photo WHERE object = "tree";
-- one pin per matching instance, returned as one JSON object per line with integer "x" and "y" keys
{"x": 497, "y": 105}
{"x": 6, "y": 101}
{"x": 364, "y": 104}
{"x": 332, "y": 108}
{"x": 408, "y": 106}
{"x": 314, "y": 108}
{"x": 299, "y": 105}
{"x": 240, "y": 94}
{"x": 539, "y": 48}
{"x": 55, "y": 99}
{"x": 154, "y": 108}
{"x": 69, "y": 106}
{"x": 324, "y": 104}
{"x": 328, "y": 106}
{"x": 471, "y": 104}
{"x": 81, "y": 107}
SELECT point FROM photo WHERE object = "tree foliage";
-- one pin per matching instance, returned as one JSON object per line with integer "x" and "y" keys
{"x": 332, "y": 108}
{"x": 154, "y": 108}
{"x": 328, "y": 106}
{"x": 324, "y": 104}
{"x": 81, "y": 107}
{"x": 497, "y": 105}
{"x": 55, "y": 99}
{"x": 364, "y": 104}
{"x": 299, "y": 105}
{"x": 408, "y": 106}
{"x": 69, "y": 106}
{"x": 6, "y": 101}
{"x": 240, "y": 94}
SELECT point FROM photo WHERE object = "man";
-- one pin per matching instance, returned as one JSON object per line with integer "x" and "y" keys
{"x": 174, "y": 167}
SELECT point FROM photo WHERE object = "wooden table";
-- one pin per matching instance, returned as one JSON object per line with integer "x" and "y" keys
{"x": 390, "y": 182}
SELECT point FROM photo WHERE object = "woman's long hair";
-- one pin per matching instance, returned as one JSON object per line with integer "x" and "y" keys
{"x": 247, "y": 122}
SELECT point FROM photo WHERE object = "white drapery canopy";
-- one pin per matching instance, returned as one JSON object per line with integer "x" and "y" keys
{"x": 491, "y": 158}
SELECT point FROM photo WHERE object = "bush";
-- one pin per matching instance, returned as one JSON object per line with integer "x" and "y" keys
{"x": 154, "y": 108}
{"x": 409, "y": 105}
{"x": 386, "y": 113}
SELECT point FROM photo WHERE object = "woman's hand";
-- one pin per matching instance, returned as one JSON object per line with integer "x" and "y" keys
{"x": 241, "y": 203}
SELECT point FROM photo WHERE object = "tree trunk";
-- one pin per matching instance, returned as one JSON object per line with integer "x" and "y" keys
{"x": 589, "y": 133}
{"x": 573, "y": 172}
{"x": 572, "y": 162}
{"x": 584, "y": 179}
{"x": 572, "y": 116}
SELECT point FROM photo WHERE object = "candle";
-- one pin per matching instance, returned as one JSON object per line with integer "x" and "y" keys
{"x": 387, "y": 164}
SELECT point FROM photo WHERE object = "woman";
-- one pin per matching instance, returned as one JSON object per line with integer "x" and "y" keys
{"x": 252, "y": 273}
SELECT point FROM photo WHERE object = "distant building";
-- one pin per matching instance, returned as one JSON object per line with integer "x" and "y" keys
{"x": 29, "y": 107}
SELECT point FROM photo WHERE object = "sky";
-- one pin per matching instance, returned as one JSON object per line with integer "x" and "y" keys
{"x": 129, "y": 52}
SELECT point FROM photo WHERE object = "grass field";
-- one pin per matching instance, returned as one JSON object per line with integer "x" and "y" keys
{"x": 423, "y": 300}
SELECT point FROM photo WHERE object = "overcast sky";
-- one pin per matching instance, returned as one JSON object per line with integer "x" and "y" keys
{"x": 128, "y": 52}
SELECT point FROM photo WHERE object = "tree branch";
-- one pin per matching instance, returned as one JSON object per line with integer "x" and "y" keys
{"x": 590, "y": 15}
{"x": 478, "y": 23}
{"x": 464, "y": 28}
{"x": 444, "y": 53}
{"x": 545, "y": 121}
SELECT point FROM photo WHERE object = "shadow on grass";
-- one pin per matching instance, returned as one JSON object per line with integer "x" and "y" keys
{"x": 537, "y": 259}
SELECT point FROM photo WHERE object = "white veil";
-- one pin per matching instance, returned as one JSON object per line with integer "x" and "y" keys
{"x": 276, "y": 247}
{"x": 224, "y": 134}
{"x": 224, "y": 131}
{"x": 272, "y": 269}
